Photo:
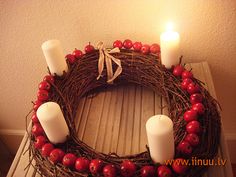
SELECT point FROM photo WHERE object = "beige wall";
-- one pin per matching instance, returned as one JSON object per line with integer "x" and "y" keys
{"x": 207, "y": 29}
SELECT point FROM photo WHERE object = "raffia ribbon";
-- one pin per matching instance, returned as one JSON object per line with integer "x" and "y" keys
{"x": 104, "y": 56}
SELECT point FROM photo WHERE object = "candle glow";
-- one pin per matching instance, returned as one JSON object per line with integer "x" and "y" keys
{"x": 169, "y": 47}
{"x": 169, "y": 26}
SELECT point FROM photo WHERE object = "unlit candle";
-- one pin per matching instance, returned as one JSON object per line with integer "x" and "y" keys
{"x": 160, "y": 138}
{"x": 55, "y": 57}
{"x": 53, "y": 122}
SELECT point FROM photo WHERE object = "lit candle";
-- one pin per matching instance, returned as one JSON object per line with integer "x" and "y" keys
{"x": 169, "y": 42}
{"x": 53, "y": 122}
{"x": 55, "y": 57}
{"x": 160, "y": 137}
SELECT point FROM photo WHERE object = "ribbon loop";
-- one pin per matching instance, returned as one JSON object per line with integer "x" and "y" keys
{"x": 106, "y": 58}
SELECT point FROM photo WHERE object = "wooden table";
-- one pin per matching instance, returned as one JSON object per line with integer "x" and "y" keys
{"x": 114, "y": 121}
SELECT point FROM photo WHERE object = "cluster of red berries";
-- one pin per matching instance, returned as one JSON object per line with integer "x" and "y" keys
{"x": 42, "y": 96}
{"x": 126, "y": 44}
{"x": 137, "y": 46}
{"x": 191, "y": 116}
{"x": 77, "y": 54}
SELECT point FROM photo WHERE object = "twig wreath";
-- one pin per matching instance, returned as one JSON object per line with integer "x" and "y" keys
{"x": 87, "y": 73}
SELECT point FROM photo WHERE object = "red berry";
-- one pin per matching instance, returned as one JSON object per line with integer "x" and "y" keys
{"x": 192, "y": 138}
{"x": 178, "y": 69}
{"x": 164, "y": 171}
{"x": 196, "y": 98}
{"x": 40, "y": 141}
{"x": 180, "y": 166}
{"x": 127, "y": 44}
{"x": 190, "y": 115}
{"x": 89, "y": 48}
{"x": 145, "y": 49}
{"x": 42, "y": 95}
{"x": 69, "y": 160}
{"x": 199, "y": 108}
{"x": 37, "y": 129}
{"x": 71, "y": 58}
{"x": 148, "y": 171}
{"x": 47, "y": 149}
{"x": 118, "y": 43}
{"x": 49, "y": 78}
{"x": 193, "y": 127}
{"x": 56, "y": 156}
{"x": 82, "y": 164}
{"x": 109, "y": 171}
{"x": 77, "y": 53}
{"x": 193, "y": 88}
{"x": 61, "y": 153}
{"x": 185, "y": 148}
{"x": 185, "y": 83}
{"x": 155, "y": 48}
{"x": 187, "y": 74}
{"x": 96, "y": 166}
{"x": 37, "y": 103}
{"x": 44, "y": 85}
{"x": 137, "y": 46}
{"x": 35, "y": 118}
{"x": 127, "y": 168}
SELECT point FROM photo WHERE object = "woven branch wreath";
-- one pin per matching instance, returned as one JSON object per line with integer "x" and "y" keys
{"x": 138, "y": 68}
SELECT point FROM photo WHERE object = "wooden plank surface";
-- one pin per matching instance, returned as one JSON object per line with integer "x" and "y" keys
{"x": 114, "y": 121}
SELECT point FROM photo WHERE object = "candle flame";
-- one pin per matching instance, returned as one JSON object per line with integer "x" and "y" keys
{"x": 169, "y": 26}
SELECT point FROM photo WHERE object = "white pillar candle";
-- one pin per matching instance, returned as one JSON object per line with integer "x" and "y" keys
{"x": 55, "y": 57}
{"x": 160, "y": 137}
{"x": 169, "y": 42}
{"x": 53, "y": 122}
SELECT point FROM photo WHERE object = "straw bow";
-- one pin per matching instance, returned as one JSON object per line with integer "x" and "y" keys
{"x": 104, "y": 56}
